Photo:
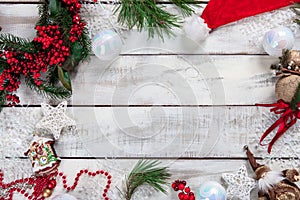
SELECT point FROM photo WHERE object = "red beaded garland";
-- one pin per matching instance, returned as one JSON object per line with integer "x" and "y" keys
{"x": 41, "y": 183}
{"x": 89, "y": 173}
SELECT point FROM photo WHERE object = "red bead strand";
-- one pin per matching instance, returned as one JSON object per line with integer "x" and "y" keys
{"x": 89, "y": 173}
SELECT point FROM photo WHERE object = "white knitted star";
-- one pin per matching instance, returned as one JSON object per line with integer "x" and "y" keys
{"x": 239, "y": 184}
{"x": 55, "y": 119}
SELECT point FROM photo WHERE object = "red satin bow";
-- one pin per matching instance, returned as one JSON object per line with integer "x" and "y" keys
{"x": 288, "y": 118}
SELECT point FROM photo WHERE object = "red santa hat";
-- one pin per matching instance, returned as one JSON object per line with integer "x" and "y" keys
{"x": 220, "y": 12}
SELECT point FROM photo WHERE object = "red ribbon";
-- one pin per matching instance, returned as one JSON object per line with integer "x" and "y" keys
{"x": 288, "y": 118}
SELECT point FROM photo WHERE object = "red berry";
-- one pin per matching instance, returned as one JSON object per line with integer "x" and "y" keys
{"x": 192, "y": 198}
{"x": 174, "y": 185}
{"x": 180, "y": 195}
{"x": 180, "y": 186}
{"x": 187, "y": 190}
{"x": 186, "y": 197}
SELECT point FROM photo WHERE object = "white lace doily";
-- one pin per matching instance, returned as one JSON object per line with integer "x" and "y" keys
{"x": 239, "y": 184}
{"x": 256, "y": 26}
{"x": 100, "y": 16}
{"x": 286, "y": 150}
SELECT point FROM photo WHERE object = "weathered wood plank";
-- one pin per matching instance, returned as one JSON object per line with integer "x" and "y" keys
{"x": 195, "y": 172}
{"x": 231, "y": 39}
{"x": 164, "y": 132}
{"x": 171, "y": 80}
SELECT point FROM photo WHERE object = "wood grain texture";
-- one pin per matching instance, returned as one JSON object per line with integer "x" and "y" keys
{"x": 156, "y": 132}
{"x": 176, "y": 80}
{"x": 190, "y": 105}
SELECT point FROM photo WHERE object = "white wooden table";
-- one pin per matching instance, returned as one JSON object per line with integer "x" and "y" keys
{"x": 189, "y": 105}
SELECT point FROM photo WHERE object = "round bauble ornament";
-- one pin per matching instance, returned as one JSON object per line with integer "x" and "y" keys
{"x": 278, "y": 39}
{"x": 286, "y": 87}
{"x": 64, "y": 197}
{"x": 211, "y": 190}
{"x": 106, "y": 45}
{"x": 47, "y": 193}
{"x": 195, "y": 28}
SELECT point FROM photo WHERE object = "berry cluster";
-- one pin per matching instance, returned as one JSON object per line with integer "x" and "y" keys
{"x": 185, "y": 191}
{"x": 52, "y": 49}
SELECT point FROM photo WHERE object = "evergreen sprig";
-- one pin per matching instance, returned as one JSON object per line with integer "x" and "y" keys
{"x": 146, "y": 172}
{"x": 48, "y": 90}
{"x": 44, "y": 14}
{"x": 9, "y": 41}
{"x": 185, "y": 6}
{"x": 86, "y": 44}
{"x": 146, "y": 14}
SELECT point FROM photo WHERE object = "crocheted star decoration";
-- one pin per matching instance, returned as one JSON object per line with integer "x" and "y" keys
{"x": 55, "y": 119}
{"x": 239, "y": 184}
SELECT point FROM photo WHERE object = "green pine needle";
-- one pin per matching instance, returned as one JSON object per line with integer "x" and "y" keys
{"x": 148, "y": 15}
{"x": 146, "y": 172}
{"x": 2, "y": 99}
{"x": 185, "y": 6}
{"x": 47, "y": 90}
{"x": 9, "y": 41}
{"x": 44, "y": 14}
{"x": 86, "y": 44}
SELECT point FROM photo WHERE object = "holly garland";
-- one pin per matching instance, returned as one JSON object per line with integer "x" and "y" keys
{"x": 46, "y": 61}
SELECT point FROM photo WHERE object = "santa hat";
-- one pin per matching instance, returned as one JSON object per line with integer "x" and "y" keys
{"x": 259, "y": 169}
{"x": 220, "y": 12}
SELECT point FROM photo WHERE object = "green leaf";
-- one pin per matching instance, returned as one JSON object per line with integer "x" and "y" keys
{"x": 64, "y": 78}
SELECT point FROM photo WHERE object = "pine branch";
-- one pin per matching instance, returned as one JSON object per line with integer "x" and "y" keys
{"x": 86, "y": 44}
{"x": 52, "y": 77}
{"x": 44, "y": 14}
{"x": 146, "y": 172}
{"x": 64, "y": 20}
{"x": 52, "y": 91}
{"x": 2, "y": 99}
{"x": 185, "y": 6}
{"x": 9, "y": 41}
{"x": 146, "y": 14}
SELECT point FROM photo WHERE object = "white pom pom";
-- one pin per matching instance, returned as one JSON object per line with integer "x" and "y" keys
{"x": 195, "y": 28}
